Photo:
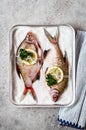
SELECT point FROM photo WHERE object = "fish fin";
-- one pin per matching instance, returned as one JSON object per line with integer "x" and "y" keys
{"x": 38, "y": 76}
{"x": 66, "y": 59}
{"x": 30, "y": 90}
{"x": 46, "y": 53}
{"x": 46, "y": 70}
{"x": 50, "y": 38}
{"x": 18, "y": 71}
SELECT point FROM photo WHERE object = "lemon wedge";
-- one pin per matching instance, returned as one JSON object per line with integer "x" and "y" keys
{"x": 56, "y": 72}
{"x": 30, "y": 60}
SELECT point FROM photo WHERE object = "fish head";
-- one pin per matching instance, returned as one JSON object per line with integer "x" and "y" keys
{"x": 54, "y": 93}
{"x": 30, "y": 37}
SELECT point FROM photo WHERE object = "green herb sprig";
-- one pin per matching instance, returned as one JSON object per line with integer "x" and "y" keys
{"x": 50, "y": 80}
{"x": 24, "y": 54}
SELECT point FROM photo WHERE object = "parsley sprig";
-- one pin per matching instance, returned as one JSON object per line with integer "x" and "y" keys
{"x": 24, "y": 54}
{"x": 50, "y": 80}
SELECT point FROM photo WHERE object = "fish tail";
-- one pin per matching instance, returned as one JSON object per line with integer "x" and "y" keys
{"x": 30, "y": 90}
{"x": 53, "y": 40}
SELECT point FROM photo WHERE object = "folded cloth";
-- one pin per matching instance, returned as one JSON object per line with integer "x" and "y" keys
{"x": 75, "y": 115}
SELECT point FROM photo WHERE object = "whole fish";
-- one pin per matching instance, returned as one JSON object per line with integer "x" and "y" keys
{"x": 29, "y": 59}
{"x": 56, "y": 73}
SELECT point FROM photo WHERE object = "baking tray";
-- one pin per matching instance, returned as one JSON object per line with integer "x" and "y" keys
{"x": 66, "y": 41}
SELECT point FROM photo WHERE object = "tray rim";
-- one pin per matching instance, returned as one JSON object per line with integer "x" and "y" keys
{"x": 73, "y": 72}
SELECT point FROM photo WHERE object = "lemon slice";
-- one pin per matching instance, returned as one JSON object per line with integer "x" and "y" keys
{"x": 31, "y": 60}
{"x": 56, "y": 72}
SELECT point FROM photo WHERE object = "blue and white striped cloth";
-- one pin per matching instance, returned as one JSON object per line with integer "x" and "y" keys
{"x": 75, "y": 115}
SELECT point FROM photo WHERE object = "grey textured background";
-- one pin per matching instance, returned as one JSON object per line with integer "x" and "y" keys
{"x": 32, "y": 12}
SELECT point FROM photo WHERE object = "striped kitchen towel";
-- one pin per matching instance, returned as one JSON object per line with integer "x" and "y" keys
{"x": 75, "y": 115}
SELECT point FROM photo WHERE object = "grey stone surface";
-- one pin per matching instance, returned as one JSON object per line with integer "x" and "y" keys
{"x": 32, "y": 12}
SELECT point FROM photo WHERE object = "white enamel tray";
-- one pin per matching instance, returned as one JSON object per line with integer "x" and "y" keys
{"x": 66, "y": 42}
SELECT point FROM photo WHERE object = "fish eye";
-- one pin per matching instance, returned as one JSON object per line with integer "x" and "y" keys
{"x": 30, "y": 34}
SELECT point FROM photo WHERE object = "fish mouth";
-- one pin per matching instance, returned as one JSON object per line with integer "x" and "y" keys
{"x": 30, "y": 37}
{"x": 55, "y": 98}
